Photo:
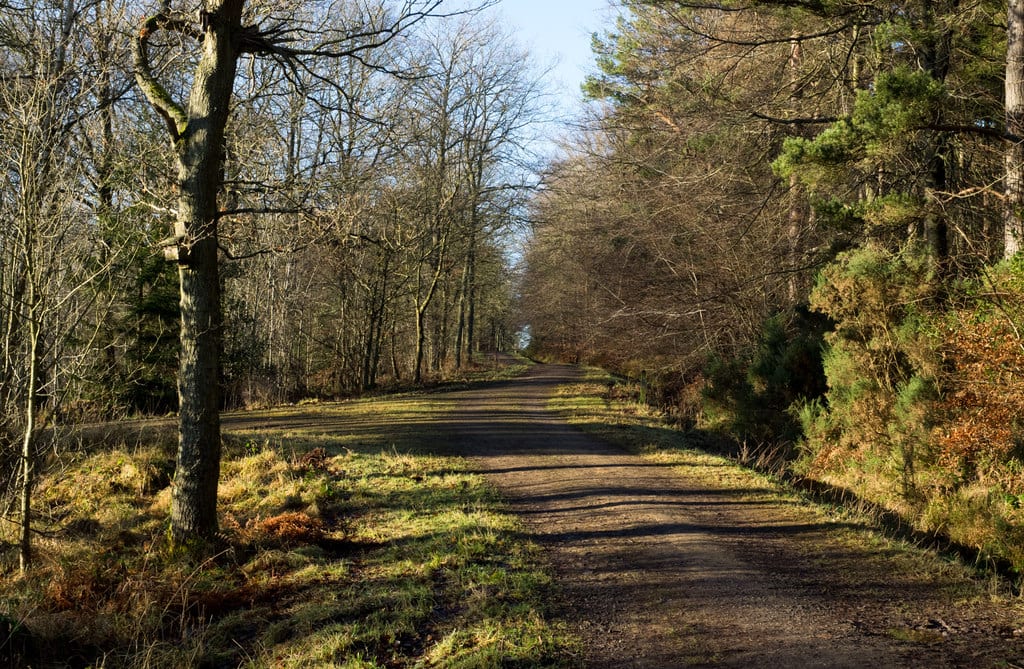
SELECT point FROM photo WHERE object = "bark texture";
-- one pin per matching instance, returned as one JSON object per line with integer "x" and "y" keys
{"x": 1014, "y": 222}
{"x": 201, "y": 159}
{"x": 197, "y": 134}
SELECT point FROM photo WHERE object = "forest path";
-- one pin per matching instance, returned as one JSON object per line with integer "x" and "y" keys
{"x": 657, "y": 568}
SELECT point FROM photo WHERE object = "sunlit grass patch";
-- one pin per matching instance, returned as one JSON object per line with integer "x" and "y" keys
{"x": 597, "y": 406}
{"x": 603, "y": 406}
{"x": 492, "y": 367}
{"x": 345, "y": 543}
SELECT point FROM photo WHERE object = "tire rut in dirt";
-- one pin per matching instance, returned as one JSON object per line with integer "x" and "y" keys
{"x": 656, "y": 570}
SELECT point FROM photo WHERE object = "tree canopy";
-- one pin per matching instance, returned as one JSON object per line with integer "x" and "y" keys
{"x": 794, "y": 221}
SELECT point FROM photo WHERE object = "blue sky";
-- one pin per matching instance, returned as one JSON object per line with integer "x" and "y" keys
{"x": 557, "y": 35}
{"x": 558, "y": 30}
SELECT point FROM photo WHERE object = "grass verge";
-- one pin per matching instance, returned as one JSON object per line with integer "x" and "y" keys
{"x": 347, "y": 542}
{"x": 604, "y": 406}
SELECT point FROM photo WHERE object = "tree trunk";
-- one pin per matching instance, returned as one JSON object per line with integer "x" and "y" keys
{"x": 396, "y": 371}
{"x": 1013, "y": 233}
{"x": 28, "y": 444}
{"x": 378, "y": 307}
{"x": 422, "y": 306}
{"x": 470, "y": 288}
{"x": 440, "y": 348}
{"x": 797, "y": 217}
{"x": 200, "y": 168}
{"x": 471, "y": 307}
{"x": 460, "y": 327}
{"x": 936, "y": 227}
{"x": 421, "y": 341}
{"x": 936, "y": 61}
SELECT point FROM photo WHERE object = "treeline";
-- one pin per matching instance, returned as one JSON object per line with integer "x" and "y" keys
{"x": 372, "y": 170}
{"x": 800, "y": 222}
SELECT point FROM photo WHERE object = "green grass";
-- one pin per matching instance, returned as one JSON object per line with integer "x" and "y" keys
{"x": 488, "y": 368}
{"x": 346, "y": 543}
{"x": 605, "y": 407}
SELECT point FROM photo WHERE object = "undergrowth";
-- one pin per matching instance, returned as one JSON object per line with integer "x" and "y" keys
{"x": 607, "y": 407}
{"x": 925, "y": 390}
{"x": 362, "y": 550}
{"x": 891, "y": 388}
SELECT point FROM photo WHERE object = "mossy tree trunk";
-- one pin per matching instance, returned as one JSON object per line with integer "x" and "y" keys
{"x": 200, "y": 169}
{"x": 197, "y": 134}
{"x": 196, "y": 130}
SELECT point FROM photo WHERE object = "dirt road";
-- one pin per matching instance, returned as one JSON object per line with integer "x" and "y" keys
{"x": 656, "y": 568}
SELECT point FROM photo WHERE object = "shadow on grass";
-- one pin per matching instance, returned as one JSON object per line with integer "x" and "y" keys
{"x": 513, "y": 423}
{"x": 776, "y": 461}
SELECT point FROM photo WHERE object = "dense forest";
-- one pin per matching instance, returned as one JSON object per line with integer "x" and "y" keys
{"x": 321, "y": 194}
{"x": 798, "y": 225}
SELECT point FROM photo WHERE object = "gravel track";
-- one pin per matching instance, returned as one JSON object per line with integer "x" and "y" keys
{"x": 659, "y": 569}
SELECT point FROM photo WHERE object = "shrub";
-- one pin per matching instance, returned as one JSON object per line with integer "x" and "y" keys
{"x": 925, "y": 397}
{"x": 785, "y": 368}
{"x": 982, "y": 436}
{"x": 881, "y": 365}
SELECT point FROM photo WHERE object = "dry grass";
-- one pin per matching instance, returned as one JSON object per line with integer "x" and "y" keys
{"x": 361, "y": 550}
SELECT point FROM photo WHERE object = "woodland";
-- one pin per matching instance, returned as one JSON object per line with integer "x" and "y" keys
{"x": 794, "y": 225}
{"x": 321, "y": 194}
{"x": 797, "y": 225}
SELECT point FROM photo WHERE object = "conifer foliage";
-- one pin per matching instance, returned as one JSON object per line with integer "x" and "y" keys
{"x": 809, "y": 213}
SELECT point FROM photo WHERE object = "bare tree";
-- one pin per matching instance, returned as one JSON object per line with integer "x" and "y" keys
{"x": 52, "y": 251}
{"x": 218, "y": 36}
{"x": 473, "y": 116}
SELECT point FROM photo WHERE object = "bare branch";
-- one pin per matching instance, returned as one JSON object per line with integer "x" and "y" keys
{"x": 170, "y": 111}
{"x": 975, "y": 129}
{"x": 811, "y": 120}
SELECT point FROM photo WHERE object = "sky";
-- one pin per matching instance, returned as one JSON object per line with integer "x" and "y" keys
{"x": 558, "y": 31}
